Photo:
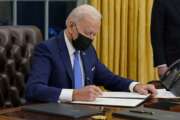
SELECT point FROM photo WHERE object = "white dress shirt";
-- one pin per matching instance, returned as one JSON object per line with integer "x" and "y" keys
{"x": 66, "y": 94}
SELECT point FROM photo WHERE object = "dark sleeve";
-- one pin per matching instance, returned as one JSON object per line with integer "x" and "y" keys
{"x": 157, "y": 32}
{"x": 37, "y": 88}
{"x": 104, "y": 77}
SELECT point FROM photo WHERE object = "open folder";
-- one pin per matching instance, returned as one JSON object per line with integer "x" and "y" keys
{"x": 163, "y": 93}
{"x": 123, "y": 99}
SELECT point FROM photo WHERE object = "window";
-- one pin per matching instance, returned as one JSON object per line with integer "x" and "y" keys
{"x": 48, "y": 15}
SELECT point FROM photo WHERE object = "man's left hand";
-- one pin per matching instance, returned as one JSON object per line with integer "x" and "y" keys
{"x": 145, "y": 89}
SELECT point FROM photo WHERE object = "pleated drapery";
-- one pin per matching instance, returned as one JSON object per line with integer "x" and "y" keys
{"x": 123, "y": 44}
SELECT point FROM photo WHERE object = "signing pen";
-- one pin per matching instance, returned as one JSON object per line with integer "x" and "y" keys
{"x": 141, "y": 112}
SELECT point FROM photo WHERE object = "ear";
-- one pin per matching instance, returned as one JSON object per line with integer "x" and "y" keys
{"x": 71, "y": 24}
{"x": 70, "y": 27}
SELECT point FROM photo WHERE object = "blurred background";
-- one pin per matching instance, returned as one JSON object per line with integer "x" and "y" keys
{"x": 123, "y": 44}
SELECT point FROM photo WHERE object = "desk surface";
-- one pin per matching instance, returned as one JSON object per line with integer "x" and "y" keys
{"x": 19, "y": 114}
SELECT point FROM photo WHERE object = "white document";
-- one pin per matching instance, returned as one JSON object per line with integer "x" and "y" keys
{"x": 129, "y": 95}
{"x": 163, "y": 93}
{"x": 124, "y": 99}
{"x": 112, "y": 102}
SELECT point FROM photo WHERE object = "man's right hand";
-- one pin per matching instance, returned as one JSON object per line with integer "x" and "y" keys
{"x": 88, "y": 93}
{"x": 162, "y": 70}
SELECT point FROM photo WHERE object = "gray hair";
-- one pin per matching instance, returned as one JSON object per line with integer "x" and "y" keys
{"x": 81, "y": 11}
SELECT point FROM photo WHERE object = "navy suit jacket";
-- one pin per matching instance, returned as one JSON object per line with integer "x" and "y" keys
{"x": 51, "y": 71}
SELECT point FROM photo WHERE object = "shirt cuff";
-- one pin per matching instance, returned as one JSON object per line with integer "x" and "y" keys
{"x": 132, "y": 85}
{"x": 66, "y": 95}
{"x": 163, "y": 65}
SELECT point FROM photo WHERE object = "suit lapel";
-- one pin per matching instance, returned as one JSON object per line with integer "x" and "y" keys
{"x": 64, "y": 55}
{"x": 86, "y": 66}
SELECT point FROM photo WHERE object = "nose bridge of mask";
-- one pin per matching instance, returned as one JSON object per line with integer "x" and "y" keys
{"x": 77, "y": 31}
{"x": 91, "y": 36}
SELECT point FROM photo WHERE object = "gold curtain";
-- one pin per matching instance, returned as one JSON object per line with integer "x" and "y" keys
{"x": 123, "y": 44}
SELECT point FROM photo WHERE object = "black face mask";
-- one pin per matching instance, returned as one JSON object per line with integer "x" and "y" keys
{"x": 81, "y": 42}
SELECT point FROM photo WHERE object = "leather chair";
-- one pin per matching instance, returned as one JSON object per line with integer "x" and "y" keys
{"x": 4, "y": 36}
{"x": 16, "y": 46}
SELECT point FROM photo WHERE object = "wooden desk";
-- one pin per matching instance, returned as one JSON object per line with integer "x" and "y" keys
{"x": 19, "y": 114}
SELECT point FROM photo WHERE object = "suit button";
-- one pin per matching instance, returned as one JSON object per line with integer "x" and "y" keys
{"x": 84, "y": 53}
{"x": 88, "y": 81}
{"x": 87, "y": 78}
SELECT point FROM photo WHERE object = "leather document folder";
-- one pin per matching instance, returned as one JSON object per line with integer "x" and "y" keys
{"x": 66, "y": 110}
{"x": 147, "y": 114}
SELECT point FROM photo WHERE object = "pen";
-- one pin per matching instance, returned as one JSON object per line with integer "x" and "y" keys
{"x": 141, "y": 112}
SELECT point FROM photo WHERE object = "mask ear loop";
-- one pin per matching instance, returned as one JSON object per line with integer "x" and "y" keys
{"x": 72, "y": 25}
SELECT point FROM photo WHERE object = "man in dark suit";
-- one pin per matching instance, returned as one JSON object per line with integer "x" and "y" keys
{"x": 66, "y": 67}
{"x": 165, "y": 33}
